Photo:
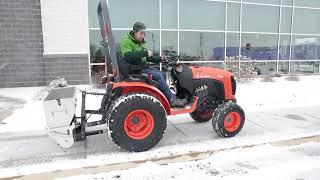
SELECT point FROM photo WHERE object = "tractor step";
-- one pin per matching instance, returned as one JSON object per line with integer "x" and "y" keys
{"x": 189, "y": 108}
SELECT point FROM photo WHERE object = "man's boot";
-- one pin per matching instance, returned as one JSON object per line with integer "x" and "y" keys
{"x": 178, "y": 102}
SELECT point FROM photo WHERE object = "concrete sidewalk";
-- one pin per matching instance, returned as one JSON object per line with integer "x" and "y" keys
{"x": 182, "y": 133}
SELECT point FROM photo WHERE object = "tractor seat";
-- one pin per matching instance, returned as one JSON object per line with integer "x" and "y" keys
{"x": 133, "y": 73}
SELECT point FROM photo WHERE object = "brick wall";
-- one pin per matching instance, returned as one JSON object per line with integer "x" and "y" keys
{"x": 21, "y": 49}
{"x": 21, "y": 46}
{"x": 72, "y": 67}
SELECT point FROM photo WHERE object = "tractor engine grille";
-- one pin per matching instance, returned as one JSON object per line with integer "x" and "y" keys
{"x": 234, "y": 85}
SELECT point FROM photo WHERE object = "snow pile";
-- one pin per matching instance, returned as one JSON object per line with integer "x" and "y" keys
{"x": 58, "y": 82}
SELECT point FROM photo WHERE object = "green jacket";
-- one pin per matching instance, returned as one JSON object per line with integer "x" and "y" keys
{"x": 135, "y": 52}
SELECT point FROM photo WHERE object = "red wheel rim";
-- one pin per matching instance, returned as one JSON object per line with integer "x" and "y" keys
{"x": 232, "y": 121}
{"x": 138, "y": 124}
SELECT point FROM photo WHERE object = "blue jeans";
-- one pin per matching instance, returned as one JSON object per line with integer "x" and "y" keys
{"x": 158, "y": 76}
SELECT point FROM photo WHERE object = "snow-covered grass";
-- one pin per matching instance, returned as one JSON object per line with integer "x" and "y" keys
{"x": 261, "y": 162}
{"x": 259, "y": 96}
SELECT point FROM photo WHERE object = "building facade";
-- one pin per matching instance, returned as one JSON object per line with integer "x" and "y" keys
{"x": 41, "y": 40}
{"x": 281, "y": 36}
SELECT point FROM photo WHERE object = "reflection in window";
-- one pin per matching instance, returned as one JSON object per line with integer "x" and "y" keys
{"x": 96, "y": 54}
{"x": 306, "y": 21}
{"x": 276, "y": 2}
{"x": 260, "y": 18}
{"x": 287, "y": 2}
{"x": 196, "y": 14}
{"x": 266, "y": 68}
{"x": 305, "y": 67}
{"x": 203, "y": 46}
{"x": 169, "y": 41}
{"x": 97, "y": 72}
{"x": 169, "y": 14}
{"x": 153, "y": 41}
{"x": 307, "y": 3}
{"x": 305, "y": 48}
{"x": 259, "y": 46}
{"x": 283, "y": 67}
{"x": 124, "y": 13}
{"x": 93, "y": 17}
{"x": 233, "y": 17}
{"x": 284, "y": 49}
{"x": 233, "y": 44}
{"x": 286, "y": 15}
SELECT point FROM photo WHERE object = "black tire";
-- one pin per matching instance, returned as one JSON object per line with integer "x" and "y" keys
{"x": 224, "y": 111}
{"x": 202, "y": 114}
{"x": 122, "y": 108}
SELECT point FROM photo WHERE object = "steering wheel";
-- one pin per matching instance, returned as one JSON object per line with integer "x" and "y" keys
{"x": 171, "y": 61}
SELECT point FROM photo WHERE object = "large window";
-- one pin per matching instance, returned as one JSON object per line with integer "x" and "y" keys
{"x": 169, "y": 14}
{"x": 232, "y": 42}
{"x": 277, "y": 2}
{"x": 169, "y": 41}
{"x": 202, "y": 46}
{"x": 233, "y": 18}
{"x": 259, "y": 46}
{"x": 286, "y": 15}
{"x": 258, "y": 18}
{"x": 282, "y": 36}
{"x": 308, "y": 3}
{"x": 284, "y": 47}
{"x": 306, "y": 21}
{"x": 305, "y": 48}
{"x": 198, "y": 14}
{"x": 125, "y": 12}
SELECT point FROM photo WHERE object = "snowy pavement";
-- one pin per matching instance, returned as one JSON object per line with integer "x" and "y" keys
{"x": 274, "y": 111}
{"x": 300, "y": 162}
{"x": 8, "y": 105}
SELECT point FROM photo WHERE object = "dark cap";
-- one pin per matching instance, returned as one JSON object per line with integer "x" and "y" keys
{"x": 138, "y": 26}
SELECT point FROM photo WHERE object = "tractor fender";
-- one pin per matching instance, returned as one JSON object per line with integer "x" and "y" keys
{"x": 139, "y": 87}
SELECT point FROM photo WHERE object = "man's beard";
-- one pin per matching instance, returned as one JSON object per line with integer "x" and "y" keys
{"x": 140, "y": 40}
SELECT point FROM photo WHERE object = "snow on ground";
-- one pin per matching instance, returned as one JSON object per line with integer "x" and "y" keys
{"x": 252, "y": 96}
{"x": 274, "y": 110}
{"x": 261, "y": 162}
{"x": 257, "y": 95}
{"x": 30, "y": 119}
{"x": 25, "y": 93}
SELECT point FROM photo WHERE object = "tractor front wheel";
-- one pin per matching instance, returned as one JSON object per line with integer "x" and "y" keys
{"x": 228, "y": 119}
{"x": 136, "y": 122}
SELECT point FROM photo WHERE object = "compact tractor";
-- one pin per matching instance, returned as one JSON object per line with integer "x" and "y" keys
{"x": 134, "y": 111}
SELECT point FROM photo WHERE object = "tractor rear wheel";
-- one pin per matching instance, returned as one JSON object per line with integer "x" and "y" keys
{"x": 228, "y": 119}
{"x": 136, "y": 122}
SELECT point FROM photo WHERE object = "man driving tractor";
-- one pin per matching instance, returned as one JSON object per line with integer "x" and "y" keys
{"x": 133, "y": 50}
